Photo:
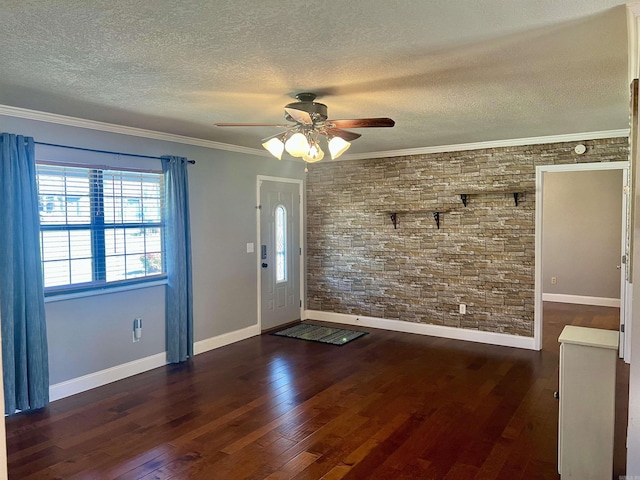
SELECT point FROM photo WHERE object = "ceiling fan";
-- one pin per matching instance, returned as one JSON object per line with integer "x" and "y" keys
{"x": 309, "y": 122}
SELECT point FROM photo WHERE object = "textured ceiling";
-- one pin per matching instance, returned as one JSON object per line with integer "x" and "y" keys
{"x": 447, "y": 71}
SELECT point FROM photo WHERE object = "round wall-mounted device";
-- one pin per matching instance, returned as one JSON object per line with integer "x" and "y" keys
{"x": 580, "y": 149}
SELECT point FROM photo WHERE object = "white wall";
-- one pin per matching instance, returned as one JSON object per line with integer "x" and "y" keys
{"x": 633, "y": 430}
{"x": 91, "y": 334}
{"x": 633, "y": 427}
{"x": 582, "y": 225}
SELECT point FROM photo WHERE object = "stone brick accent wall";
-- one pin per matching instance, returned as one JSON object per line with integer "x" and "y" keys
{"x": 482, "y": 255}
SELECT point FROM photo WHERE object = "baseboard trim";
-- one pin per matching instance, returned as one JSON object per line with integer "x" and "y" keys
{"x": 120, "y": 372}
{"x": 103, "y": 377}
{"x": 225, "y": 339}
{"x": 492, "y": 338}
{"x": 581, "y": 300}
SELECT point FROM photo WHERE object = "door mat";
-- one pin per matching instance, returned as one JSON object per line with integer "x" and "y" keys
{"x": 319, "y": 333}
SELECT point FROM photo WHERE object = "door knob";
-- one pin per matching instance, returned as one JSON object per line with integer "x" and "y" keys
{"x": 264, "y": 265}
{"x": 617, "y": 267}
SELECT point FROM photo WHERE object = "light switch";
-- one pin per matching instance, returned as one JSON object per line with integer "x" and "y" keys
{"x": 250, "y": 248}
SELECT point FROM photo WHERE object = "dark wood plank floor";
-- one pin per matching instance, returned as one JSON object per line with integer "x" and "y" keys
{"x": 387, "y": 406}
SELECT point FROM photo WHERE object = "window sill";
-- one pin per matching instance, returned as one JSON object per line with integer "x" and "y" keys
{"x": 103, "y": 291}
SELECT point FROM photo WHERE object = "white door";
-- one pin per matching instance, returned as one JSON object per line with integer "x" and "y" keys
{"x": 625, "y": 280}
{"x": 279, "y": 253}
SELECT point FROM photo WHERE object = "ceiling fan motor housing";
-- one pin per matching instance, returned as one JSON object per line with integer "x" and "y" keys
{"x": 318, "y": 111}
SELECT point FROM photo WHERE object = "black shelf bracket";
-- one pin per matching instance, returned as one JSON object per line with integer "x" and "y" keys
{"x": 436, "y": 217}
{"x": 463, "y": 197}
{"x": 515, "y": 197}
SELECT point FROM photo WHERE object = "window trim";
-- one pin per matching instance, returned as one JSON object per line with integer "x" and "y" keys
{"x": 69, "y": 295}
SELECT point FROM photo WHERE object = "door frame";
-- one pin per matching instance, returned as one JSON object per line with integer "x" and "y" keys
{"x": 259, "y": 180}
{"x": 625, "y": 293}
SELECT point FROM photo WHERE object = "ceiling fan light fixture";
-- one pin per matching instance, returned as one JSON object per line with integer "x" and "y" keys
{"x": 297, "y": 145}
{"x": 315, "y": 154}
{"x": 275, "y": 147}
{"x": 337, "y": 146}
{"x": 308, "y": 122}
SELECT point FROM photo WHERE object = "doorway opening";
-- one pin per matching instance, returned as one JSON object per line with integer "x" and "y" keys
{"x": 573, "y": 255}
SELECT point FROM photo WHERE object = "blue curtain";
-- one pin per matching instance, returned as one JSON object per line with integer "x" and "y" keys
{"x": 24, "y": 335}
{"x": 179, "y": 291}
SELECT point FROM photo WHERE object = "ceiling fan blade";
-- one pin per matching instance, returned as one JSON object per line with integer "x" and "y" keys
{"x": 232, "y": 124}
{"x": 299, "y": 116}
{"x": 362, "y": 123}
{"x": 343, "y": 134}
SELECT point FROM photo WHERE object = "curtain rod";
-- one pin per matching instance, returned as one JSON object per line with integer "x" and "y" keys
{"x": 192, "y": 162}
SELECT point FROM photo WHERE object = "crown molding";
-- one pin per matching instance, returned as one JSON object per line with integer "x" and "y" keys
{"x": 169, "y": 137}
{"x": 514, "y": 142}
{"x": 124, "y": 130}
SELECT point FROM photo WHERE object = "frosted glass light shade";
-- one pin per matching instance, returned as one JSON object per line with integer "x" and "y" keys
{"x": 275, "y": 147}
{"x": 297, "y": 145}
{"x": 315, "y": 154}
{"x": 337, "y": 146}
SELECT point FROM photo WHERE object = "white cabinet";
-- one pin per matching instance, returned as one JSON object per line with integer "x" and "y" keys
{"x": 587, "y": 402}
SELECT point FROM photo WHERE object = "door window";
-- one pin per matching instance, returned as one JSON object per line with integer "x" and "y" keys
{"x": 281, "y": 244}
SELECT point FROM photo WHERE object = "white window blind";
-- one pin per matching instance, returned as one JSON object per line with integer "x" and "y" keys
{"x": 99, "y": 226}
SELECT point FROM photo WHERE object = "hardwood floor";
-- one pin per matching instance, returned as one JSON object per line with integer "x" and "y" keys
{"x": 386, "y": 406}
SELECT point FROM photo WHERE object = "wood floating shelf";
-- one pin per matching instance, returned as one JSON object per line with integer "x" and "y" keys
{"x": 437, "y": 214}
{"x": 464, "y": 197}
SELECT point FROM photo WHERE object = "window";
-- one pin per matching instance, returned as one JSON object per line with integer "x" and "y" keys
{"x": 99, "y": 227}
{"x": 281, "y": 244}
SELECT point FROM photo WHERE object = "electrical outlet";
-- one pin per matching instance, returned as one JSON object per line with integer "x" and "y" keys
{"x": 137, "y": 329}
{"x": 554, "y": 280}
{"x": 463, "y": 309}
